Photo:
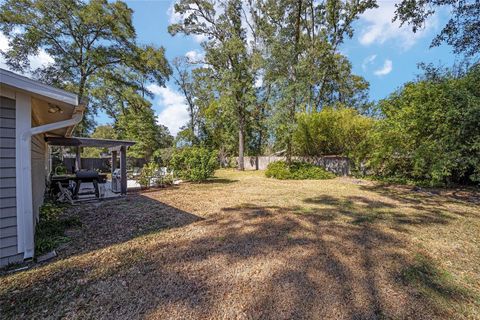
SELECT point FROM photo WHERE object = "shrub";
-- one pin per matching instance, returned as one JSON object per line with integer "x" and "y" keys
{"x": 296, "y": 171}
{"x": 331, "y": 131}
{"x": 430, "y": 132}
{"x": 163, "y": 156}
{"x": 147, "y": 174}
{"x": 194, "y": 163}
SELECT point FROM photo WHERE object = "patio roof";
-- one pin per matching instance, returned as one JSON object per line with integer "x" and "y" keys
{"x": 87, "y": 142}
{"x": 114, "y": 146}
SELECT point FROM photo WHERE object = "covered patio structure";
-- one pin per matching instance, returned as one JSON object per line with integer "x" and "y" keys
{"x": 116, "y": 147}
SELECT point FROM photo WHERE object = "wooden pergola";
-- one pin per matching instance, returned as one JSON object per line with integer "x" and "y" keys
{"x": 114, "y": 146}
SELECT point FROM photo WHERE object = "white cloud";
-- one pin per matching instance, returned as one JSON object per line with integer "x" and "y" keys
{"x": 379, "y": 28}
{"x": 258, "y": 81}
{"x": 386, "y": 69}
{"x": 173, "y": 17}
{"x": 41, "y": 59}
{"x": 259, "y": 78}
{"x": 174, "y": 112}
{"x": 195, "y": 56}
{"x": 368, "y": 60}
{"x": 3, "y": 47}
{"x": 3, "y": 42}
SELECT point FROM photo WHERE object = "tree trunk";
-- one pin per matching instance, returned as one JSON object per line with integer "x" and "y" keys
{"x": 293, "y": 79}
{"x": 81, "y": 88}
{"x": 259, "y": 147}
{"x": 80, "y": 130}
{"x": 241, "y": 143}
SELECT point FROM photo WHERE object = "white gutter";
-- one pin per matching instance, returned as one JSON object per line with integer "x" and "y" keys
{"x": 25, "y": 219}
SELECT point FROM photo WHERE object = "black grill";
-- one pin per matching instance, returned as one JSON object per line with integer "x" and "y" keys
{"x": 87, "y": 175}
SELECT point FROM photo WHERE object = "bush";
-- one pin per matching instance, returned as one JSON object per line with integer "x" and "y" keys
{"x": 430, "y": 132}
{"x": 163, "y": 156}
{"x": 296, "y": 171}
{"x": 147, "y": 174}
{"x": 331, "y": 131}
{"x": 194, "y": 163}
{"x": 50, "y": 229}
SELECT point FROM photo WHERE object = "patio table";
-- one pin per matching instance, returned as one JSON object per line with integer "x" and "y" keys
{"x": 65, "y": 181}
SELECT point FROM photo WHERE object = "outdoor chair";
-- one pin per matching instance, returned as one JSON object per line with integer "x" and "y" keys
{"x": 65, "y": 195}
{"x": 136, "y": 173}
{"x": 161, "y": 174}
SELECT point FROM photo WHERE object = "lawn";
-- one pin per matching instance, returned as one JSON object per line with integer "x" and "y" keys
{"x": 246, "y": 247}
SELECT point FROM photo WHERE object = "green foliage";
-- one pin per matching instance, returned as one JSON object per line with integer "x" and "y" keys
{"x": 296, "y": 171}
{"x": 50, "y": 229}
{"x": 302, "y": 65}
{"x": 194, "y": 163}
{"x": 94, "y": 48}
{"x": 433, "y": 281}
{"x": 331, "y": 132}
{"x": 100, "y": 132}
{"x": 163, "y": 156}
{"x": 291, "y": 63}
{"x": 227, "y": 55}
{"x": 147, "y": 174}
{"x": 141, "y": 127}
{"x": 430, "y": 131}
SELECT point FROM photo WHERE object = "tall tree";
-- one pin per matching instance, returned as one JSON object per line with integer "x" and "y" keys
{"x": 462, "y": 29}
{"x": 226, "y": 53}
{"x": 141, "y": 127}
{"x": 87, "y": 40}
{"x": 101, "y": 132}
{"x": 301, "y": 40}
{"x": 184, "y": 80}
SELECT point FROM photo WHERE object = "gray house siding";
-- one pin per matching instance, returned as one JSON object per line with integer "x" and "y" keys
{"x": 8, "y": 210}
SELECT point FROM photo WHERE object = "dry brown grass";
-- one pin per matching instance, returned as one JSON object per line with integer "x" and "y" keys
{"x": 243, "y": 246}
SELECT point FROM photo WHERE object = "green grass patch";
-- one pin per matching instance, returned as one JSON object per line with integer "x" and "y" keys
{"x": 438, "y": 285}
{"x": 296, "y": 171}
{"x": 50, "y": 229}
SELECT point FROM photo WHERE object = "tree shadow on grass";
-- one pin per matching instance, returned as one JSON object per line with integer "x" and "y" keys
{"x": 426, "y": 197}
{"x": 249, "y": 261}
{"x": 120, "y": 220}
{"x": 216, "y": 180}
{"x": 364, "y": 210}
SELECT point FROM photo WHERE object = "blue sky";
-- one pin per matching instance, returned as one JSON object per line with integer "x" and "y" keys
{"x": 380, "y": 51}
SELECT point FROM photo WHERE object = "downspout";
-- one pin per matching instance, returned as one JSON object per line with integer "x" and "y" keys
{"x": 25, "y": 164}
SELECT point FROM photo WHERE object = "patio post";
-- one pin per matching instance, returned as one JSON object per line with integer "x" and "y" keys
{"x": 123, "y": 169}
{"x": 114, "y": 161}
{"x": 78, "y": 159}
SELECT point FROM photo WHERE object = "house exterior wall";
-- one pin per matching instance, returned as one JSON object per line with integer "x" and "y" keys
{"x": 23, "y": 156}
{"x": 39, "y": 172}
{"x": 8, "y": 209}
